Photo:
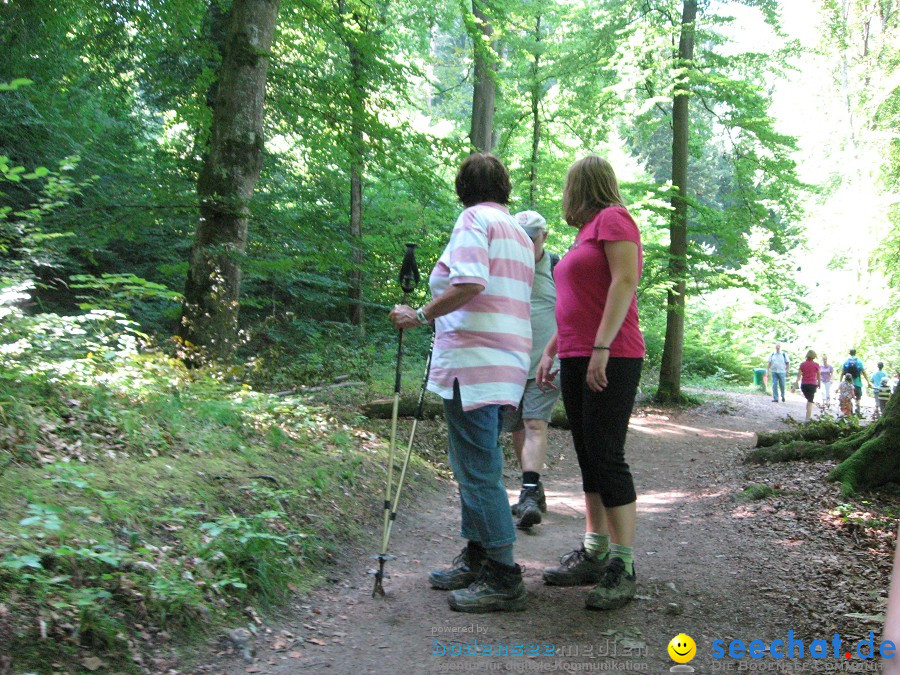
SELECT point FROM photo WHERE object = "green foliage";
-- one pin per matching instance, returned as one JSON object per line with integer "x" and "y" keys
{"x": 289, "y": 351}
{"x": 170, "y": 515}
{"x": 119, "y": 291}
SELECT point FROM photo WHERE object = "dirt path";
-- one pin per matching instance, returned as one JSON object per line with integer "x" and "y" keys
{"x": 705, "y": 567}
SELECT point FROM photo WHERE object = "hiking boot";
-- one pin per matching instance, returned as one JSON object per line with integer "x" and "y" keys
{"x": 536, "y": 493}
{"x": 615, "y": 589}
{"x": 499, "y": 588}
{"x": 462, "y": 571}
{"x": 531, "y": 503}
{"x": 576, "y": 568}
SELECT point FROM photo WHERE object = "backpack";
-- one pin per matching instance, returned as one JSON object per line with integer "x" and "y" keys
{"x": 851, "y": 367}
{"x": 553, "y": 260}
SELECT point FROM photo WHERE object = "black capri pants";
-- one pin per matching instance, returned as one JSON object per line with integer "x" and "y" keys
{"x": 599, "y": 422}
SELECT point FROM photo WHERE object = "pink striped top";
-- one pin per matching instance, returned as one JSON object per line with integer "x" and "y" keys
{"x": 486, "y": 344}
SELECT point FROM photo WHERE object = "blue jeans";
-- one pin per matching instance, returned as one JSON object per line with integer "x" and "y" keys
{"x": 477, "y": 462}
{"x": 778, "y": 381}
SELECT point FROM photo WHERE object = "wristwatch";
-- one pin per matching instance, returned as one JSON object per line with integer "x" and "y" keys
{"x": 420, "y": 315}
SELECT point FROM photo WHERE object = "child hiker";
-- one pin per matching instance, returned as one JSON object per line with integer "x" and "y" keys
{"x": 846, "y": 395}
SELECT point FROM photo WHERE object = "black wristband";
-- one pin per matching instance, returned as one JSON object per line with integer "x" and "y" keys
{"x": 598, "y": 347}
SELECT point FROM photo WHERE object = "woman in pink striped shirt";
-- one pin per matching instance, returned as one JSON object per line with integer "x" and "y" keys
{"x": 481, "y": 311}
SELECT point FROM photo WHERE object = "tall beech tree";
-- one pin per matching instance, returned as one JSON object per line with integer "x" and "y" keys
{"x": 484, "y": 89}
{"x": 229, "y": 175}
{"x": 352, "y": 24}
{"x": 673, "y": 350}
{"x": 740, "y": 206}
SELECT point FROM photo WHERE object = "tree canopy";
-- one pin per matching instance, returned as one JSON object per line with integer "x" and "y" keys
{"x": 368, "y": 110}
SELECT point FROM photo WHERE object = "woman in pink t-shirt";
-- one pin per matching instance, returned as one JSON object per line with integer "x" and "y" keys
{"x": 808, "y": 378}
{"x": 601, "y": 351}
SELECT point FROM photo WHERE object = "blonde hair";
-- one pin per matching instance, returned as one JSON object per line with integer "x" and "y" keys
{"x": 591, "y": 186}
{"x": 810, "y": 354}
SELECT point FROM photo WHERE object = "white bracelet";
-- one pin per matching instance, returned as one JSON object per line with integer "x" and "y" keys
{"x": 420, "y": 315}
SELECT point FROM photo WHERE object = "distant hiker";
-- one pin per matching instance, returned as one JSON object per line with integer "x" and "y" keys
{"x": 879, "y": 375}
{"x": 601, "y": 352}
{"x": 846, "y": 395}
{"x": 855, "y": 368}
{"x": 528, "y": 423}
{"x": 808, "y": 379}
{"x": 778, "y": 369}
{"x": 878, "y": 378}
{"x": 882, "y": 395}
{"x": 481, "y": 287}
{"x": 825, "y": 374}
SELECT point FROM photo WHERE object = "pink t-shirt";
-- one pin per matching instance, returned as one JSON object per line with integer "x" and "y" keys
{"x": 582, "y": 283}
{"x": 809, "y": 372}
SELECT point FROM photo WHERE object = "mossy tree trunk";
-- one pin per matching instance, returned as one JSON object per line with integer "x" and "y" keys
{"x": 875, "y": 458}
{"x": 230, "y": 171}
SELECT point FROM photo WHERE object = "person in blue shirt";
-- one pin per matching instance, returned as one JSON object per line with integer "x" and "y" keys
{"x": 879, "y": 375}
{"x": 857, "y": 370}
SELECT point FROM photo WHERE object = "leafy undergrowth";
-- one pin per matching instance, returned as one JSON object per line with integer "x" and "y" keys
{"x": 143, "y": 505}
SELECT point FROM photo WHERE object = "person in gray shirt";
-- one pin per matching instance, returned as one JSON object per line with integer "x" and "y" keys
{"x": 528, "y": 423}
{"x": 779, "y": 364}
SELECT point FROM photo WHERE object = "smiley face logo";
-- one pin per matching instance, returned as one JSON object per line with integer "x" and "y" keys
{"x": 682, "y": 648}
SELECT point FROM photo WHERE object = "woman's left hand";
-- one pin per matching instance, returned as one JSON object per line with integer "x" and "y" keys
{"x": 404, "y": 316}
{"x": 596, "y": 370}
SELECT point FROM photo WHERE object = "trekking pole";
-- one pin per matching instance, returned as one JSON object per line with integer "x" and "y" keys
{"x": 412, "y": 434}
{"x": 409, "y": 279}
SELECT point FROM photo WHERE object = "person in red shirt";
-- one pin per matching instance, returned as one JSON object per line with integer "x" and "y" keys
{"x": 601, "y": 352}
{"x": 809, "y": 380}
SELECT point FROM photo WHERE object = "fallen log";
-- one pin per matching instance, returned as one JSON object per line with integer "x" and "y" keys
{"x": 321, "y": 387}
{"x": 433, "y": 408}
{"x": 383, "y": 408}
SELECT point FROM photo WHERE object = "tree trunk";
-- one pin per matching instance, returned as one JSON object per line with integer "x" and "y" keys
{"x": 357, "y": 168}
{"x": 535, "y": 118}
{"x": 483, "y": 94}
{"x": 673, "y": 350}
{"x": 869, "y": 456}
{"x": 209, "y": 318}
{"x": 875, "y": 458}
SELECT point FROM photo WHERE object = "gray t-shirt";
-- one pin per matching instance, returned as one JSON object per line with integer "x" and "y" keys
{"x": 543, "y": 311}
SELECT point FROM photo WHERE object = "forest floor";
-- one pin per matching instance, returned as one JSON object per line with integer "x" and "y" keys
{"x": 711, "y": 562}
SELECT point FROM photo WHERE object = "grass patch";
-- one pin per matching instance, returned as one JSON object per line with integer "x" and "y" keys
{"x": 139, "y": 500}
{"x": 755, "y": 492}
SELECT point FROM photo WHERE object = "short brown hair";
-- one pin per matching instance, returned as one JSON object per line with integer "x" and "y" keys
{"x": 591, "y": 186}
{"x": 810, "y": 354}
{"x": 482, "y": 178}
